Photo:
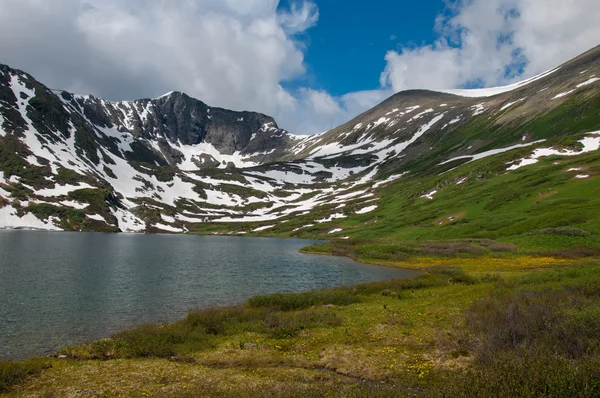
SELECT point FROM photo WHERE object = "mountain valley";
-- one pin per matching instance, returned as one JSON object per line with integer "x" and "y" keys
{"x": 174, "y": 164}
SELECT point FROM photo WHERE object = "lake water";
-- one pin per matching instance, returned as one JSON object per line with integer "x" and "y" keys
{"x": 60, "y": 288}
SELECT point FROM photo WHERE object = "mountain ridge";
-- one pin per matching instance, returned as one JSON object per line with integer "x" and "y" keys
{"x": 175, "y": 164}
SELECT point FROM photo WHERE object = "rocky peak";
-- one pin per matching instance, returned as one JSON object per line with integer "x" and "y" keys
{"x": 178, "y": 118}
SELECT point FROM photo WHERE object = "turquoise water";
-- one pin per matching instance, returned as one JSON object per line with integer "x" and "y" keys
{"x": 59, "y": 288}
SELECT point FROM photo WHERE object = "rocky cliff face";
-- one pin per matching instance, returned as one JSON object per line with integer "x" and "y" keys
{"x": 175, "y": 117}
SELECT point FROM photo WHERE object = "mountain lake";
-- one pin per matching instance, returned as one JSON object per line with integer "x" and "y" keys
{"x": 65, "y": 288}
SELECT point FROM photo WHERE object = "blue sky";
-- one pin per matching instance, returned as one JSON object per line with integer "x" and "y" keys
{"x": 345, "y": 50}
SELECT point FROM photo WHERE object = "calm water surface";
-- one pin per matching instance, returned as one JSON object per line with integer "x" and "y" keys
{"x": 59, "y": 289}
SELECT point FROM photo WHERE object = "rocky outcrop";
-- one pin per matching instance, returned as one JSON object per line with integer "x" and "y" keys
{"x": 179, "y": 118}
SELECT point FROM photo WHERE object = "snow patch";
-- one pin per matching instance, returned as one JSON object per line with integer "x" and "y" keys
{"x": 302, "y": 227}
{"x": 511, "y": 104}
{"x": 389, "y": 179}
{"x": 478, "y": 109}
{"x": 563, "y": 94}
{"x": 587, "y": 82}
{"x": 168, "y": 219}
{"x": 429, "y": 195}
{"x": 9, "y": 220}
{"x": 96, "y": 217}
{"x": 420, "y": 115}
{"x": 589, "y": 144}
{"x": 194, "y": 152}
{"x": 491, "y": 91}
{"x": 331, "y": 218}
{"x": 166, "y": 94}
{"x": 366, "y": 210}
{"x": 60, "y": 190}
{"x": 490, "y": 152}
{"x": 167, "y": 228}
{"x": 263, "y": 228}
{"x": 74, "y": 204}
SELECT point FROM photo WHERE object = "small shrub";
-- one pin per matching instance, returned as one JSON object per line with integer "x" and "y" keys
{"x": 454, "y": 274}
{"x": 15, "y": 373}
{"x": 490, "y": 278}
{"x": 103, "y": 349}
{"x": 299, "y": 301}
{"x": 576, "y": 252}
{"x": 501, "y": 247}
{"x": 284, "y": 325}
{"x": 158, "y": 341}
{"x": 539, "y": 336}
{"x": 451, "y": 249}
{"x": 562, "y": 231}
{"x": 213, "y": 321}
{"x": 395, "y": 286}
{"x": 562, "y": 322}
{"x": 523, "y": 374}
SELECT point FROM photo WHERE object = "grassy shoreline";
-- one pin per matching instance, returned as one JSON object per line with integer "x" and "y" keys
{"x": 438, "y": 334}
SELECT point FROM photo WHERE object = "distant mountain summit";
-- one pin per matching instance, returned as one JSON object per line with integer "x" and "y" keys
{"x": 175, "y": 164}
{"x": 176, "y": 119}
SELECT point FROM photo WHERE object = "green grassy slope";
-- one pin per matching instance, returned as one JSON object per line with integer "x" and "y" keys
{"x": 540, "y": 208}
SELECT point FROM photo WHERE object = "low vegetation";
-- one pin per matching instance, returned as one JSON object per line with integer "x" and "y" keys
{"x": 469, "y": 326}
{"x": 14, "y": 373}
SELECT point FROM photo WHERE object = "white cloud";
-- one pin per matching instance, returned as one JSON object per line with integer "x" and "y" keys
{"x": 494, "y": 42}
{"x": 318, "y": 111}
{"x": 360, "y": 101}
{"x": 233, "y": 53}
{"x": 300, "y": 18}
{"x": 321, "y": 102}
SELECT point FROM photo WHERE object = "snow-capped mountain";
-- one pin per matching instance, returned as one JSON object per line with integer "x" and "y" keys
{"x": 174, "y": 164}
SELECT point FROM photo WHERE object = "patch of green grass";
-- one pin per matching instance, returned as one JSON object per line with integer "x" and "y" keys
{"x": 68, "y": 176}
{"x": 71, "y": 219}
{"x": 67, "y": 215}
{"x": 13, "y": 154}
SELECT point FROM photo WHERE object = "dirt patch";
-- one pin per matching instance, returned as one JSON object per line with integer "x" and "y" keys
{"x": 544, "y": 195}
{"x": 449, "y": 218}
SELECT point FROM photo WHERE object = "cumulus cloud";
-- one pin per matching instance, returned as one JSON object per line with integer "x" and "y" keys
{"x": 231, "y": 53}
{"x": 490, "y": 42}
{"x": 318, "y": 111}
